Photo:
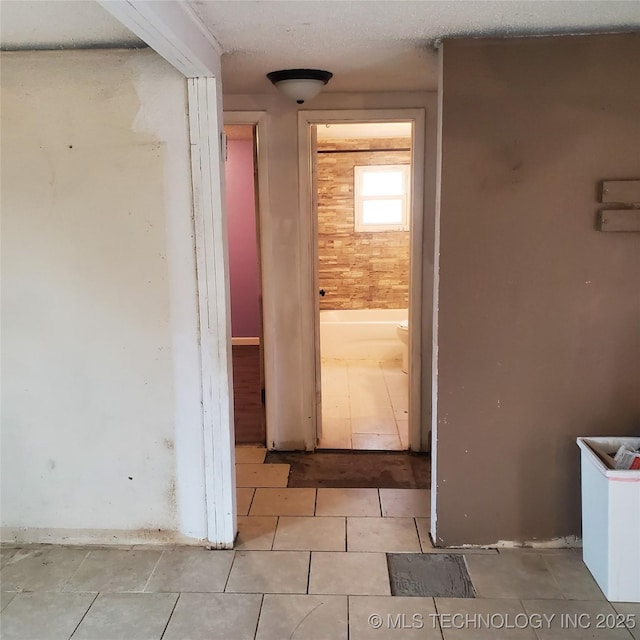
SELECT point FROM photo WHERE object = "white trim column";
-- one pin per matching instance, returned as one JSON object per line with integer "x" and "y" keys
{"x": 436, "y": 304}
{"x": 205, "y": 130}
{"x": 175, "y": 31}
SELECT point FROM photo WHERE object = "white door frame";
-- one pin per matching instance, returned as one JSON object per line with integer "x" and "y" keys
{"x": 176, "y": 32}
{"x": 259, "y": 120}
{"x": 212, "y": 271}
{"x": 308, "y": 244}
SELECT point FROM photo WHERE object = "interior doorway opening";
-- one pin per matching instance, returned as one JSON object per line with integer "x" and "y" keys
{"x": 362, "y": 200}
{"x": 243, "y": 233}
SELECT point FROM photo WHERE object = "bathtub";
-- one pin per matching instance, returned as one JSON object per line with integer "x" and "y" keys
{"x": 361, "y": 334}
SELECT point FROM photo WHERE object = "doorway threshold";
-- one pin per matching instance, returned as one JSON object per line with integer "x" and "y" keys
{"x": 355, "y": 469}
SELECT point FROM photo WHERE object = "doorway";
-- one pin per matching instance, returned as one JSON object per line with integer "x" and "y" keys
{"x": 363, "y": 233}
{"x": 363, "y": 399}
{"x": 243, "y": 232}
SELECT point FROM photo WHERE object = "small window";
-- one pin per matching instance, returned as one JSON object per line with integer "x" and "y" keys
{"x": 381, "y": 197}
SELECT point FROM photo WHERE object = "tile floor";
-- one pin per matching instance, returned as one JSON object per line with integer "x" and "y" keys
{"x": 309, "y": 564}
{"x": 365, "y": 405}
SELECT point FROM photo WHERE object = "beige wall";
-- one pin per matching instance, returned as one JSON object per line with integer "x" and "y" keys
{"x": 358, "y": 269}
{"x": 101, "y": 417}
{"x": 539, "y": 313}
{"x": 285, "y": 252}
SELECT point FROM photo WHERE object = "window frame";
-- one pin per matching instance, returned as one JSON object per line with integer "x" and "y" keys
{"x": 359, "y": 198}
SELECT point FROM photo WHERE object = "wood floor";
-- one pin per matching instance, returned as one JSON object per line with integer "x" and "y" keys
{"x": 247, "y": 397}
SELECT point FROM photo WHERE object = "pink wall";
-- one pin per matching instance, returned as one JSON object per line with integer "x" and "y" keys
{"x": 243, "y": 253}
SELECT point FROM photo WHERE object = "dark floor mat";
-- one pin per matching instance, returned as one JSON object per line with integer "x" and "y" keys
{"x": 433, "y": 575}
{"x": 348, "y": 469}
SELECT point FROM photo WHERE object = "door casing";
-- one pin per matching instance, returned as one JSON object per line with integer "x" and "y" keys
{"x": 258, "y": 119}
{"x": 310, "y": 387}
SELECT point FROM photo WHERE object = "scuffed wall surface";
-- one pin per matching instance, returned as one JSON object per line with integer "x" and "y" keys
{"x": 88, "y": 332}
{"x": 539, "y": 313}
{"x": 358, "y": 270}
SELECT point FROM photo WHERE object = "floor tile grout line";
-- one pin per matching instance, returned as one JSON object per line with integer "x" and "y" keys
{"x": 324, "y": 368}
{"x": 309, "y": 573}
{"x": 253, "y": 497}
{"x": 346, "y": 534}
{"x": 535, "y": 631}
{"x": 522, "y": 604}
{"x": 393, "y": 411}
{"x": 626, "y": 621}
{"x": 350, "y": 417}
{"x": 226, "y": 582}
{"x": 70, "y": 578}
{"x": 468, "y": 570}
{"x": 155, "y": 566}
{"x": 254, "y": 593}
{"x": 435, "y": 606}
{"x": 84, "y": 616}
{"x": 553, "y": 575}
{"x": 415, "y": 522}
{"x": 166, "y": 626}
{"x": 255, "y": 632}
{"x": 275, "y": 532}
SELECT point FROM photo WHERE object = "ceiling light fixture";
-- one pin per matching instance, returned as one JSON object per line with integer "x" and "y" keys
{"x": 300, "y": 84}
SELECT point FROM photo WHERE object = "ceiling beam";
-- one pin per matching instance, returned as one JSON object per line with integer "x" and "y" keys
{"x": 174, "y": 30}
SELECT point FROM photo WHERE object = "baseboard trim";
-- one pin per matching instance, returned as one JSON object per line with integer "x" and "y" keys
{"x": 106, "y": 537}
{"x": 239, "y": 342}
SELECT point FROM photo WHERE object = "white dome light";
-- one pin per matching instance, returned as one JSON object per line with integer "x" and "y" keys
{"x": 300, "y": 84}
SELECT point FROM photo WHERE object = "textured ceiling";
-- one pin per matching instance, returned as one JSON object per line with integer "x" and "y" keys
{"x": 369, "y": 45}
{"x": 381, "y": 45}
{"x": 60, "y": 24}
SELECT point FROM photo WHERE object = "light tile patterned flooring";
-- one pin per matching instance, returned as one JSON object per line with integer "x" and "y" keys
{"x": 308, "y": 565}
{"x": 365, "y": 405}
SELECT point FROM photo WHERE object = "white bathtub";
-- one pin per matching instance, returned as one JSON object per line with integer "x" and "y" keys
{"x": 361, "y": 334}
